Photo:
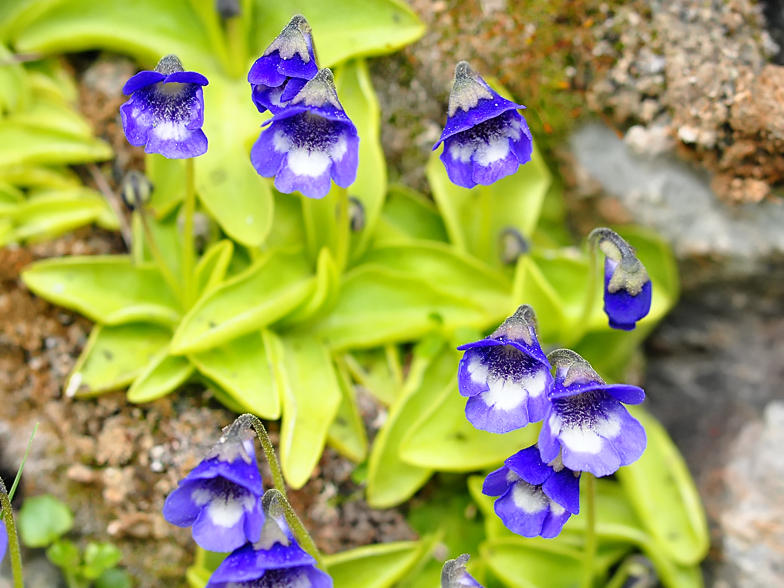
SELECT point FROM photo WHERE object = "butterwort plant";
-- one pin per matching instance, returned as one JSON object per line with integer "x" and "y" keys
{"x": 165, "y": 113}
{"x": 506, "y": 376}
{"x": 287, "y": 64}
{"x": 485, "y": 137}
{"x": 274, "y": 560}
{"x": 585, "y": 427}
{"x": 628, "y": 291}
{"x": 534, "y": 498}
{"x": 309, "y": 142}
{"x": 222, "y": 497}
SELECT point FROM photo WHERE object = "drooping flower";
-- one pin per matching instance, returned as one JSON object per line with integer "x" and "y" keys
{"x": 586, "y": 424}
{"x": 506, "y": 376}
{"x": 485, "y": 138}
{"x": 454, "y": 574}
{"x": 287, "y": 64}
{"x": 166, "y": 110}
{"x": 3, "y": 540}
{"x": 274, "y": 561}
{"x": 308, "y": 142}
{"x": 535, "y": 498}
{"x": 627, "y": 287}
{"x": 221, "y": 497}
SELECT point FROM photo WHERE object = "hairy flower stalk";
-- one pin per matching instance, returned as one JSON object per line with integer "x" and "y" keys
{"x": 166, "y": 110}
{"x": 485, "y": 138}
{"x": 506, "y": 376}
{"x": 286, "y": 66}
{"x": 8, "y": 537}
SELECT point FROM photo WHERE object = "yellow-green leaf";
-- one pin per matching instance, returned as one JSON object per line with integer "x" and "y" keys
{"x": 311, "y": 395}
{"x": 242, "y": 368}
{"x": 106, "y": 289}
{"x": 261, "y": 295}
{"x": 344, "y": 29}
{"x": 161, "y": 377}
{"x": 114, "y": 357}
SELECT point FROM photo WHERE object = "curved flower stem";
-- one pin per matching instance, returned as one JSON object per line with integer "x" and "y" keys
{"x": 590, "y": 531}
{"x": 13, "y": 539}
{"x": 248, "y": 420}
{"x": 156, "y": 253}
{"x": 188, "y": 248}
{"x": 296, "y": 526}
{"x": 344, "y": 230}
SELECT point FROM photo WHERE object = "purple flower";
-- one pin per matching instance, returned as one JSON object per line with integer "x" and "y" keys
{"x": 622, "y": 307}
{"x": 506, "y": 376}
{"x": 221, "y": 497}
{"x": 627, "y": 287}
{"x": 166, "y": 110}
{"x": 287, "y": 64}
{"x": 274, "y": 561}
{"x": 485, "y": 138}
{"x": 3, "y": 540}
{"x": 535, "y": 498}
{"x": 308, "y": 142}
{"x": 586, "y": 423}
{"x": 454, "y": 574}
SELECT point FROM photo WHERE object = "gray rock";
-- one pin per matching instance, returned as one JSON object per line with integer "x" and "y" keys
{"x": 669, "y": 196}
{"x": 753, "y": 520}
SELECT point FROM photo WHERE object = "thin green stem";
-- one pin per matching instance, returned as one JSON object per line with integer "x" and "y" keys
{"x": 343, "y": 229}
{"x": 236, "y": 45}
{"x": 295, "y": 524}
{"x": 13, "y": 539}
{"x": 156, "y": 253}
{"x": 303, "y": 538}
{"x": 590, "y": 530}
{"x": 485, "y": 220}
{"x": 22, "y": 465}
{"x": 188, "y": 245}
{"x": 393, "y": 361}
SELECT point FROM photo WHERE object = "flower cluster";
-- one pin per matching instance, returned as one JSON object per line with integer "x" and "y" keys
{"x": 485, "y": 138}
{"x": 223, "y": 499}
{"x": 509, "y": 384}
{"x": 310, "y": 141}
